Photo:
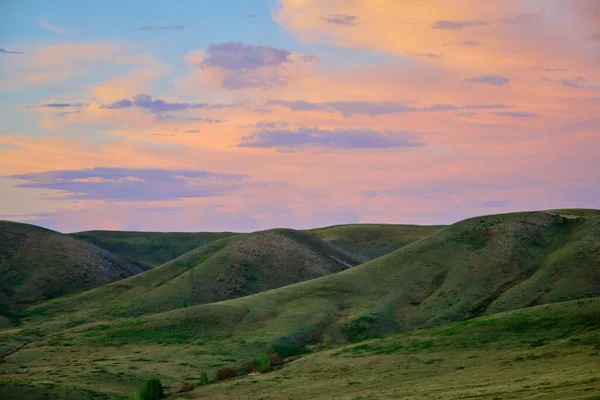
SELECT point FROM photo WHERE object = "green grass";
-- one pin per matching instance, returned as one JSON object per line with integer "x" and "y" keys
{"x": 38, "y": 264}
{"x": 434, "y": 318}
{"x": 224, "y": 269}
{"x": 549, "y": 349}
{"x": 150, "y": 248}
{"x": 370, "y": 241}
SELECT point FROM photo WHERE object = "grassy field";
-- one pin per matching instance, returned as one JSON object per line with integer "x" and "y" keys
{"x": 369, "y": 241}
{"x": 550, "y": 351}
{"x": 149, "y": 248}
{"x": 525, "y": 286}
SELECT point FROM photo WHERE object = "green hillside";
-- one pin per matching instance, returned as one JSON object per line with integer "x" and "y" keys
{"x": 224, "y": 269}
{"x": 369, "y": 241}
{"x": 547, "y": 352}
{"x": 38, "y": 264}
{"x": 149, "y": 248}
{"x": 486, "y": 265}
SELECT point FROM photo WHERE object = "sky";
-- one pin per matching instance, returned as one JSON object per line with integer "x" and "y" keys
{"x": 249, "y": 115}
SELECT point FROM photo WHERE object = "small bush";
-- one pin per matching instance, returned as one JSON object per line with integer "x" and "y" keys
{"x": 275, "y": 359}
{"x": 263, "y": 363}
{"x": 203, "y": 379}
{"x": 226, "y": 373}
{"x": 151, "y": 390}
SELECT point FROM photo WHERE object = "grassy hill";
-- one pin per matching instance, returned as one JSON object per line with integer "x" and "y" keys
{"x": 38, "y": 264}
{"x": 547, "y": 352}
{"x": 475, "y": 267}
{"x": 224, "y": 269}
{"x": 473, "y": 271}
{"x": 149, "y": 248}
{"x": 369, "y": 241}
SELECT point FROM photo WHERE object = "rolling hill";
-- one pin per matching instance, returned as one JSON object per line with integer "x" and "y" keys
{"x": 149, "y": 248}
{"x": 370, "y": 241}
{"x": 228, "y": 268}
{"x": 38, "y": 264}
{"x": 478, "y": 266}
{"x": 523, "y": 285}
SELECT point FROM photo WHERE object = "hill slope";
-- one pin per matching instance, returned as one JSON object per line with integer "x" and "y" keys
{"x": 149, "y": 248}
{"x": 224, "y": 269}
{"x": 475, "y": 267}
{"x": 369, "y": 241}
{"x": 38, "y": 264}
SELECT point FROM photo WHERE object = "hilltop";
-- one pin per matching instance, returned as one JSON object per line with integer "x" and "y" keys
{"x": 370, "y": 241}
{"x": 149, "y": 248}
{"x": 39, "y": 264}
{"x": 224, "y": 269}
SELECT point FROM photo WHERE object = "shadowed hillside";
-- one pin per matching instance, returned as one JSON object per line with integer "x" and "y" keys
{"x": 477, "y": 266}
{"x": 224, "y": 269}
{"x": 149, "y": 248}
{"x": 369, "y": 241}
{"x": 38, "y": 264}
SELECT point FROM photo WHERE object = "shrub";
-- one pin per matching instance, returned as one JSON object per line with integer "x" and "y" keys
{"x": 203, "y": 378}
{"x": 263, "y": 363}
{"x": 248, "y": 367}
{"x": 226, "y": 373}
{"x": 287, "y": 347}
{"x": 151, "y": 390}
{"x": 275, "y": 359}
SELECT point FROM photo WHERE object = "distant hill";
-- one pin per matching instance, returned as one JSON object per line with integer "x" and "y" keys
{"x": 149, "y": 248}
{"x": 369, "y": 241}
{"x": 38, "y": 264}
{"x": 221, "y": 270}
{"x": 478, "y": 266}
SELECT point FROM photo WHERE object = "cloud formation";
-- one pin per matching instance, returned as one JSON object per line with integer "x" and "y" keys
{"x": 158, "y": 106}
{"x": 374, "y": 108}
{"x": 493, "y": 80}
{"x": 341, "y": 19}
{"x": 236, "y": 56}
{"x": 516, "y": 114}
{"x": 453, "y": 25}
{"x": 575, "y": 83}
{"x": 43, "y": 22}
{"x": 4, "y": 51}
{"x": 336, "y": 139}
{"x": 161, "y": 28}
{"x": 128, "y": 184}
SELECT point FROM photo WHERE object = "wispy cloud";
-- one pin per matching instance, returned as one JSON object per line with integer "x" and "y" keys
{"x": 145, "y": 101}
{"x": 341, "y": 19}
{"x": 4, "y": 51}
{"x": 43, "y": 22}
{"x": 375, "y": 108}
{"x": 160, "y": 28}
{"x": 338, "y": 138}
{"x": 516, "y": 114}
{"x": 454, "y": 25}
{"x": 128, "y": 184}
{"x": 251, "y": 16}
{"x": 493, "y": 80}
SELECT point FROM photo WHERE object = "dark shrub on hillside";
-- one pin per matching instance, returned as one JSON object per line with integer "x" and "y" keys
{"x": 203, "y": 379}
{"x": 248, "y": 367}
{"x": 287, "y": 347}
{"x": 151, "y": 390}
{"x": 263, "y": 363}
{"x": 360, "y": 329}
{"x": 275, "y": 359}
{"x": 226, "y": 373}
